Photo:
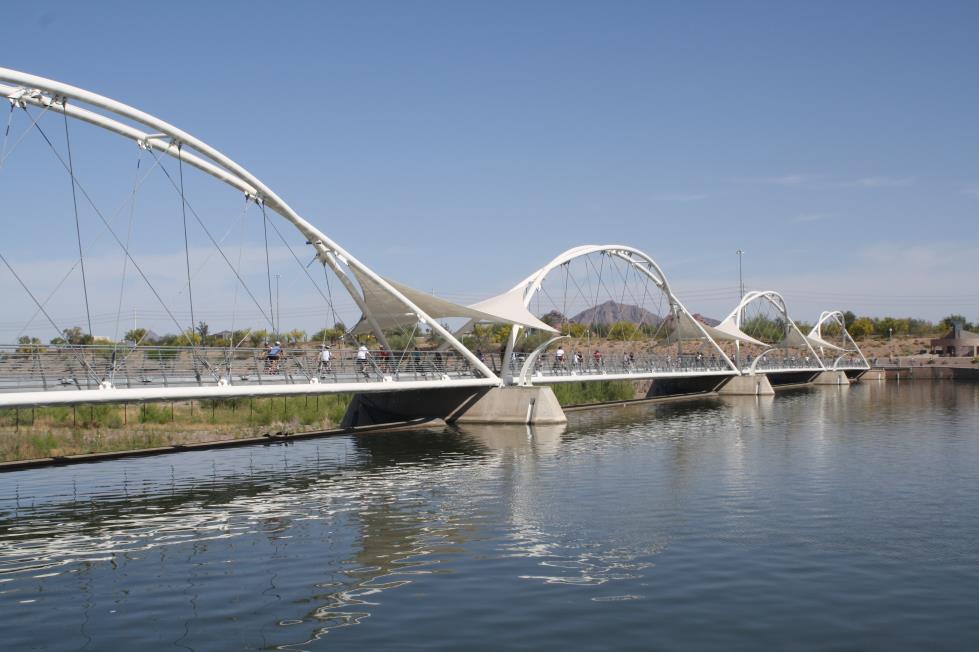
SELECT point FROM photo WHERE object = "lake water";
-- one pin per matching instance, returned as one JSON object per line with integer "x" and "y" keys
{"x": 820, "y": 519}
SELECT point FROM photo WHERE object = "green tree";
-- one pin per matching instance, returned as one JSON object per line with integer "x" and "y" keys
{"x": 202, "y": 330}
{"x": 75, "y": 335}
{"x": 623, "y": 330}
{"x": 949, "y": 322}
{"x": 861, "y": 328}
{"x": 135, "y": 335}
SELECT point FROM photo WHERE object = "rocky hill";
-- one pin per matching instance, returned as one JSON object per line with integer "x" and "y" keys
{"x": 611, "y": 312}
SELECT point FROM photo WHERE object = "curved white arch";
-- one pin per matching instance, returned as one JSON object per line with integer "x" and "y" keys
{"x": 793, "y": 336}
{"x": 57, "y": 96}
{"x": 639, "y": 260}
{"x": 836, "y": 317}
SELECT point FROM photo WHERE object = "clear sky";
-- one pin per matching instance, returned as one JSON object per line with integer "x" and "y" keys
{"x": 457, "y": 146}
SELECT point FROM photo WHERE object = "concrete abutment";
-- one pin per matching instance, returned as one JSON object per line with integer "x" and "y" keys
{"x": 756, "y": 385}
{"x": 522, "y": 405}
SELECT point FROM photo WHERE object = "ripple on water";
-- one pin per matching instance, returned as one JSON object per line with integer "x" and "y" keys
{"x": 813, "y": 520}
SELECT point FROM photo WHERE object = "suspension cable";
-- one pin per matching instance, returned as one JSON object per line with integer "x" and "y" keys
{"x": 114, "y": 235}
{"x": 71, "y": 348}
{"x": 20, "y": 139}
{"x": 216, "y": 243}
{"x": 234, "y": 305}
{"x": 78, "y": 227}
{"x": 129, "y": 237}
{"x": 183, "y": 211}
{"x": 268, "y": 265}
{"x": 6, "y": 134}
{"x": 91, "y": 244}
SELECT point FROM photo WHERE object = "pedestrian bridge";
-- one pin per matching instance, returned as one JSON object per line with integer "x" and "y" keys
{"x": 125, "y": 190}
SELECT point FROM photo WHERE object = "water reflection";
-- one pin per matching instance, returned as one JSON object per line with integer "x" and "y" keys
{"x": 279, "y": 546}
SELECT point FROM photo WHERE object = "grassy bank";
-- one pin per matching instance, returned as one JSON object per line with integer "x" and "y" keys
{"x": 594, "y": 392}
{"x": 52, "y": 431}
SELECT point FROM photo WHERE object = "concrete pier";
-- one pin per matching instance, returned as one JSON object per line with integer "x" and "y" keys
{"x": 831, "y": 378}
{"x": 524, "y": 405}
{"x": 756, "y": 385}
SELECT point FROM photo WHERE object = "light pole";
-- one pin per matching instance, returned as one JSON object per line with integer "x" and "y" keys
{"x": 740, "y": 277}
{"x": 737, "y": 343}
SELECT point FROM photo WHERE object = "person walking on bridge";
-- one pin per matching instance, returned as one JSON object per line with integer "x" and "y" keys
{"x": 362, "y": 361}
{"x": 325, "y": 366}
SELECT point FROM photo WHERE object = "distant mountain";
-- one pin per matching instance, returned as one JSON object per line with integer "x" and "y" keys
{"x": 611, "y": 312}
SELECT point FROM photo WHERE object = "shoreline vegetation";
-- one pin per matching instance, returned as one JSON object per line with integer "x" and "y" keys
{"x": 30, "y": 433}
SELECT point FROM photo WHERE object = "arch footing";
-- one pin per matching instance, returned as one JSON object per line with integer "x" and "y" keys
{"x": 756, "y": 385}
{"x": 831, "y": 378}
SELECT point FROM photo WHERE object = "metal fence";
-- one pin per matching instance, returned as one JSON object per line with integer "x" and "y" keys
{"x": 30, "y": 368}
{"x": 627, "y": 363}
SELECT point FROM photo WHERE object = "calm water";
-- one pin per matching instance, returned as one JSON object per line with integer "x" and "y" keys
{"x": 821, "y": 519}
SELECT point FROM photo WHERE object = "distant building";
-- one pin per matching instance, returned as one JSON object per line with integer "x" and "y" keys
{"x": 957, "y": 342}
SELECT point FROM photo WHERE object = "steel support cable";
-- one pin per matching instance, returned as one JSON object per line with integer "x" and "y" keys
{"x": 115, "y": 236}
{"x": 122, "y": 281}
{"x": 598, "y": 289}
{"x": 305, "y": 268}
{"x": 183, "y": 212}
{"x": 601, "y": 283}
{"x": 129, "y": 239}
{"x": 23, "y": 135}
{"x": 91, "y": 244}
{"x": 268, "y": 264}
{"x": 564, "y": 308}
{"x": 216, "y": 243}
{"x": 329, "y": 292}
{"x": 625, "y": 286}
{"x": 234, "y": 307}
{"x": 57, "y": 328}
{"x": 581, "y": 292}
{"x": 78, "y": 226}
{"x": 6, "y": 134}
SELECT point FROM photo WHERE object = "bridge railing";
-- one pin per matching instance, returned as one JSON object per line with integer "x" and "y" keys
{"x": 29, "y": 368}
{"x": 845, "y": 362}
{"x": 642, "y": 364}
{"x": 780, "y": 363}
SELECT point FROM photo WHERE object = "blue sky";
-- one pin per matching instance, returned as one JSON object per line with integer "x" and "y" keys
{"x": 458, "y": 146}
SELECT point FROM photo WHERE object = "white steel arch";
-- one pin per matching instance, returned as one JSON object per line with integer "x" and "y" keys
{"x": 639, "y": 260}
{"x": 793, "y": 337}
{"x": 24, "y": 89}
{"x": 836, "y": 317}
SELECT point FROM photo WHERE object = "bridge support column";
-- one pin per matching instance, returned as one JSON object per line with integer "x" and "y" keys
{"x": 530, "y": 405}
{"x": 831, "y": 378}
{"x": 756, "y": 385}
